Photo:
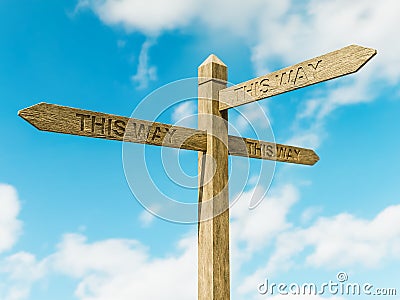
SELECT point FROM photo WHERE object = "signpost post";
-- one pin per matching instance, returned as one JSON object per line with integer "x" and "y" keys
{"x": 213, "y": 232}
{"x": 212, "y": 141}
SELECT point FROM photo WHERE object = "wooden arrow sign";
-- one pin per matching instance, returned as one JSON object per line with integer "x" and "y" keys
{"x": 329, "y": 66}
{"x": 239, "y": 146}
{"x": 62, "y": 119}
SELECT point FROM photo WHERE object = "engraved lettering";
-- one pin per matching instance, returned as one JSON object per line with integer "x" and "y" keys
{"x": 239, "y": 93}
{"x": 249, "y": 147}
{"x": 316, "y": 66}
{"x": 82, "y": 116}
{"x": 280, "y": 83}
{"x": 300, "y": 75}
{"x": 281, "y": 152}
{"x": 269, "y": 152}
{"x": 142, "y": 132}
{"x": 264, "y": 85}
{"x": 256, "y": 88}
{"x": 156, "y": 133}
{"x": 285, "y": 80}
{"x": 257, "y": 147}
{"x": 100, "y": 124}
{"x": 238, "y": 89}
{"x": 249, "y": 89}
{"x": 170, "y": 132}
{"x": 289, "y": 154}
{"x": 120, "y": 128}
{"x": 297, "y": 152}
{"x": 109, "y": 127}
{"x": 134, "y": 132}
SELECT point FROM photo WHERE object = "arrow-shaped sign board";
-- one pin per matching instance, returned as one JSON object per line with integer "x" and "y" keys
{"x": 329, "y": 66}
{"x": 62, "y": 119}
{"x": 270, "y": 151}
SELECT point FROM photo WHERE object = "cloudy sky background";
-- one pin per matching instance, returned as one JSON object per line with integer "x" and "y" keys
{"x": 70, "y": 227}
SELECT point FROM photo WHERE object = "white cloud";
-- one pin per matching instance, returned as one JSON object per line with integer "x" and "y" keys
{"x": 184, "y": 114}
{"x": 286, "y": 31}
{"x": 347, "y": 240}
{"x": 254, "y": 229}
{"x": 303, "y": 28}
{"x": 117, "y": 269}
{"x": 145, "y": 73}
{"x": 335, "y": 242}
{"x": 310, "y": 213}
{"x": 150, "y": 17}
{"x": 128, "y": 272}
{"x": 123, "y": 269}
{"x": 307, "y": 138}
{"x": 305, "y": 32}
{"x": 22, "y": 270}
{"x": 146, "y": 218}
{"x": 10, "y": 226}
{"x": 252, "y": 116}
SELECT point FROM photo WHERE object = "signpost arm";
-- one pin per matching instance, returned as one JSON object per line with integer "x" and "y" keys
{"x": 213, "y": 226}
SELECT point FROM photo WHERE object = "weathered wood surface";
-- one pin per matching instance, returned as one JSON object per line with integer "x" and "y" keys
{"x": 329, "y": 66}
{"x": 62, "y": 119}
{"x": 213, "y": 226}
{"x": 239, "y": 146}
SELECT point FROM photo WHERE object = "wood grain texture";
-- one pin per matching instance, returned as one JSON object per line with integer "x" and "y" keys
{"x": 329, "y": 66}
{"x": 62, "y": 119}
{"x": 239, "y": 146}
{"x": 68, "y": 120}
{"x": 213, "y": 232}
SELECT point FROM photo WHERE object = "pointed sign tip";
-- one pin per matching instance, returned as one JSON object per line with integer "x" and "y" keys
{"x": 316, "y": 158}
{"x": 29, "y": 114}
{"x": 365, "y": 54}
{"x": 371, "y": 50}
{"x": 212, "y": 58}
{"x": 23, "y": 113}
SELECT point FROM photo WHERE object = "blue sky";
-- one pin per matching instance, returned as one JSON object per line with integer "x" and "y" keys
{"x": 70, "y": 227}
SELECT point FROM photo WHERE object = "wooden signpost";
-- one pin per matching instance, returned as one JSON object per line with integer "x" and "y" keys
{"x": 212, "y": 141}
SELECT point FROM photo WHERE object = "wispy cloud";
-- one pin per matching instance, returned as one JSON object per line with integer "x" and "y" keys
{"x": 22, "y": 270}
{"x": 249, "y": 228}
{"x": 125, "y": 274}
{"x": 340, "y": 241}
{"x": 146, "y": 218}
{"x": 184, "y": 114}
{"x": 145, "y": 72}
{"x": 10, "y": 226}
{"x": 151, "y": 17}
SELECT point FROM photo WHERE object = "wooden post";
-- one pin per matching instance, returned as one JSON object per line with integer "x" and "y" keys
{"x": 213, "y": 226}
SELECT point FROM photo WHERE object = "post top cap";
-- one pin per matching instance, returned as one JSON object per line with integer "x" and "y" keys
{"x": 212, "y": 58}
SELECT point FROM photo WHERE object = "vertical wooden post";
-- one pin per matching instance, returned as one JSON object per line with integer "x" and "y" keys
{"x": 213, "y": 226}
